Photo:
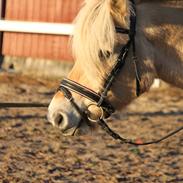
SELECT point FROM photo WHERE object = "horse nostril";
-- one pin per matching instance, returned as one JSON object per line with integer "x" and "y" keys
{"x": 59, "y": 120}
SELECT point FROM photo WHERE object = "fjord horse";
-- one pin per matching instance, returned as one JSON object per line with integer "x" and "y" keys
{"x": 96, "y": 46}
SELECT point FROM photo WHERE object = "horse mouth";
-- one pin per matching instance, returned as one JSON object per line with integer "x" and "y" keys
{"x": 69, "y": 132}
{"x": 84, "y": 128}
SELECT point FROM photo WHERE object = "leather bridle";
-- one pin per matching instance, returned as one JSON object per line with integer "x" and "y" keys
{"x": 100, "y": 99}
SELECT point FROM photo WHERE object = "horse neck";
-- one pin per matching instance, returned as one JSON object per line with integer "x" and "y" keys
{"x": 159, "y": 34}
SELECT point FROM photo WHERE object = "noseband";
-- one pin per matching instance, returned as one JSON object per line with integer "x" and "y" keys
{"x": 100, "y": 99}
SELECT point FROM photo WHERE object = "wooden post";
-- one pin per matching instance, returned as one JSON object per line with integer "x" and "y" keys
{"x": 2, "y": 16}
{"x": 1, "y": 4}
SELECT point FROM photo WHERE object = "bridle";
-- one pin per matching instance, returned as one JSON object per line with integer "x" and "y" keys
{"x": 100, "y": 99}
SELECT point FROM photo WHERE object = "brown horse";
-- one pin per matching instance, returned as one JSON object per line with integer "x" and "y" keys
{"x": 96, "y": 46}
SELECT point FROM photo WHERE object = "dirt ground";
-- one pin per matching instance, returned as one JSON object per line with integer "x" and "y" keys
{"x": 31, "y": 150}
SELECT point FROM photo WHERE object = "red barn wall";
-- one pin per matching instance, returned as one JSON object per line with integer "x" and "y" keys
{"x": 54, "y": 47}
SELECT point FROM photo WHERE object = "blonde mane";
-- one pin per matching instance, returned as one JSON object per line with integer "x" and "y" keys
{"x": 94, "y": 36}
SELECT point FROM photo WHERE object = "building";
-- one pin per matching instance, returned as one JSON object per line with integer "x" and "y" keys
{"x": 35, "y": 35}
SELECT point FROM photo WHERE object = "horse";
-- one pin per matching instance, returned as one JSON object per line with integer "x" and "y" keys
{"x": 102, "y": 29}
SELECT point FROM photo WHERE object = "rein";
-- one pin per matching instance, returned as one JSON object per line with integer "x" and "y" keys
{"x": 23, "y": 105}
{"x": 100, "y": 99}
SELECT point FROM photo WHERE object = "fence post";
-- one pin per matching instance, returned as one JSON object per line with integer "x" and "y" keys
{"x": 2, "y": 16}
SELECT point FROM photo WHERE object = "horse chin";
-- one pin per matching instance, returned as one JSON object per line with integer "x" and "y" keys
{"x": 69, "y": 132}
{"x": 85, "y": 128}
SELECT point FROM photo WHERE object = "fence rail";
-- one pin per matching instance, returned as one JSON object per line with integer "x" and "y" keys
{"x": 36, "y": 27}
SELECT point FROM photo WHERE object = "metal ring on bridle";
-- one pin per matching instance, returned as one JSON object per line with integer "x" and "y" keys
{"x": 88, "y": 112}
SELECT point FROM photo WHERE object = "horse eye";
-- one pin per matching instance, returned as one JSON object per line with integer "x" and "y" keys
{"x": 104, "y": 54}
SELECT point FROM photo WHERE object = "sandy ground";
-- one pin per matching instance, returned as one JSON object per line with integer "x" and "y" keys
{"x": 31, "y": 150}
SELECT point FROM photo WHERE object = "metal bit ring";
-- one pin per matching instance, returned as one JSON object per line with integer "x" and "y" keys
{"x": 88, "y": 112}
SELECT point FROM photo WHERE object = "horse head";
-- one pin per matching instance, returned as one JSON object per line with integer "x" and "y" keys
{"x": 96, "y": 48}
